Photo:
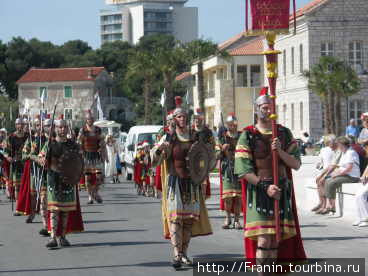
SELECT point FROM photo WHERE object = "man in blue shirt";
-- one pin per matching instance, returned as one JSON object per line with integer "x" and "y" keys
{"x": 352, "y": 129}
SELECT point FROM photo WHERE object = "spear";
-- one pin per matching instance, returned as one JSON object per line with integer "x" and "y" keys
{"x": 48, "y": 143}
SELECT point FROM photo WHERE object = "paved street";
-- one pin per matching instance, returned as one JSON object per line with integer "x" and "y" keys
{"x": 123, "y": 237}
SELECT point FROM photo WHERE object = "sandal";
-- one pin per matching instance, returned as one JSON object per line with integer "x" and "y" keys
{"x": 186, "y": 261}
{"x": 316, "y": 208}
{"x": 227, "y": 224}
{"x": 176, "y": 262}
{"x": 237, "y": 225}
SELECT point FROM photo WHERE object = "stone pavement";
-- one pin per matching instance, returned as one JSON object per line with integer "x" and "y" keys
{"x": 123, "y": 236}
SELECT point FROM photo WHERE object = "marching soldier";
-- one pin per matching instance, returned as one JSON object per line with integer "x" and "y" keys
{"x": 230, "y": 190}
{"x": 253, "y": 164}
{"x": 63, "y": 158}
{"x": 184, "y": 209}
{"x": 13, "y": 154}
{"x": 94, "y": 152}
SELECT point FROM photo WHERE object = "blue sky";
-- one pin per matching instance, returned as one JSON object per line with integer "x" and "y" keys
{"x": 60, "y": 21}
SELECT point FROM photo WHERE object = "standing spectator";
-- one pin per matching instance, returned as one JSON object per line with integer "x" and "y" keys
{"x": 352, "y": 129}
{"x": 348, "y": 171}
{"x": 307, "y": 142}
{"x": 361, "y": 202}
{"x": 363, "y": 136}
{"x": 110, "y": 163}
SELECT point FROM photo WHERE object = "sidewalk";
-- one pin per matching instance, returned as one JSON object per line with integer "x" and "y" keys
{"x": 305, "y": 189}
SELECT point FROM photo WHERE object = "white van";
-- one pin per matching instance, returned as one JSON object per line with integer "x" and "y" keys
{"x": 136, "y": 135}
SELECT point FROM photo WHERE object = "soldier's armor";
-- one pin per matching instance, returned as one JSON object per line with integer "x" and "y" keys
{"x": 178, "y": 163}
{"x": 232, "y": 141}
{"x": 262, "y": 153}
{"x": 16, "y": 146}
{"x": 204, "y": 135}
{"x": 91, "y": 140}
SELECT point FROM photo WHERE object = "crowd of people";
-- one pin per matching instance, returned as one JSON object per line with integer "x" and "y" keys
{"x": 43, "y": 165}
{"x": 343, "y": 161}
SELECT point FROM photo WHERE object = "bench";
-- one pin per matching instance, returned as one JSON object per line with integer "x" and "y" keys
{"x": 345, "y": 198}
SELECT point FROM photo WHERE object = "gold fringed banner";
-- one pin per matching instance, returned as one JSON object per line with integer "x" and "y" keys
{"x": 270, "y": 15}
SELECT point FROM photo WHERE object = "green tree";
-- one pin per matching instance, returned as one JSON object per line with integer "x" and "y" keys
{"x": 143, "y": 64}
{"x": 332, "y": 79}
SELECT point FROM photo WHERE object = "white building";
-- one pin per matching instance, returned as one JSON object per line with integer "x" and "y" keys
{"x": 133, "y": 19}
{"x": 324, "y": 27}
{"x": 231, "y": 85}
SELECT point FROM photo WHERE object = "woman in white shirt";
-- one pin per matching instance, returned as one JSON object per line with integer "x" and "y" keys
{"x": 327, "y": 157}
{"x": 348, "y": 171}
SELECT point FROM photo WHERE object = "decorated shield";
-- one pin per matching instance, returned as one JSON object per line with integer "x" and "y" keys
{"x": 198, "y": 162}
{"x": 71, "y": 166}
{"x": 212, "y": 161}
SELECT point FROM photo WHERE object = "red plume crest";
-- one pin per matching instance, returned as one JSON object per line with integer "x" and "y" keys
{"x": 264, "y": 91}
{"x": 178, "y": 101}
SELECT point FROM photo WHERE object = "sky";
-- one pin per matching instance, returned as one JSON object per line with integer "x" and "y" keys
{"x": 60, "y": 21}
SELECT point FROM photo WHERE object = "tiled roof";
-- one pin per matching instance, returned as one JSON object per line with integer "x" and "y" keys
{"x": 309, "y": 7}
{"x": 61, "y": 74}
{"x": 230, "y": 41}
{"x": 253, "y": 47}
{"x": 183, "y": 76}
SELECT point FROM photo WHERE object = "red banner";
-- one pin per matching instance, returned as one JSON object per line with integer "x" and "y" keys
{"x": 270, "y": 15}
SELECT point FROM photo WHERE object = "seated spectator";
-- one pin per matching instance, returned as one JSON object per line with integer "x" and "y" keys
{"x": 348, "y": 171}
{"x": 328, "y": 157}
{"x": 361, "y": 152}
{"x": 361, "y": 202}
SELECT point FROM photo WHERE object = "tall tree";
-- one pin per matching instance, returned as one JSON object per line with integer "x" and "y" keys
{"x": 143, "y": 64}
{"x": 332, "y": 79}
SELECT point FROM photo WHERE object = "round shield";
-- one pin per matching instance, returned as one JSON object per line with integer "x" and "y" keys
{"x": 211, "y": 157}
{"x": 71, "y": 166}
{"x": 198, "y": 162}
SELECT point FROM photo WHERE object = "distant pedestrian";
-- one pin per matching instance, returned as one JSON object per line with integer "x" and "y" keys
{"x": 352, "y": 129}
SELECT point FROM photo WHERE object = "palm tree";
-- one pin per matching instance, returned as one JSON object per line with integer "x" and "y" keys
{"x": 197, "y": 51}
{"x": 332, "y": 79}
{"x": 143, "y": 64}
{"x": 170, "y": 61}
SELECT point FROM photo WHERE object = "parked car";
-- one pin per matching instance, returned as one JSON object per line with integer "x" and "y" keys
{"x": 136, "y": 135}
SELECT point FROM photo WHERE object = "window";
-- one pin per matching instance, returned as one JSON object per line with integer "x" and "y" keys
{"x": 284, "y": 62}
{"x": 356, "y": 54}
{"x": 43, "y": 90}
{"x": 68, "y": 114}
{"x": 255, "y": 75}
{"x": 292, "y": 60}
{"x": 356, "y": 110}
{"x": 242, "y": 76}
{"x": 284, "y": 109}
{"x": 301, "y": 65}
{"x": 68, "y": 92}
{"x": 327, "y": 49}
{"x": 301, "y": 116}
{"x": 292, "y": 117}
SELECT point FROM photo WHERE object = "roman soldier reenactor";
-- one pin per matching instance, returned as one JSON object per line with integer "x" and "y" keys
{"x": 64, "y": 161}
{"x": 253, "y": 164}
{"x": 230, "y": 187}
{"x": 183, "y": 205}
{"x": 94, "y": 152}
{"x": 200, "y": 132}
{"x": 13, "y": 154}
{"x": 29, "y": 190}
